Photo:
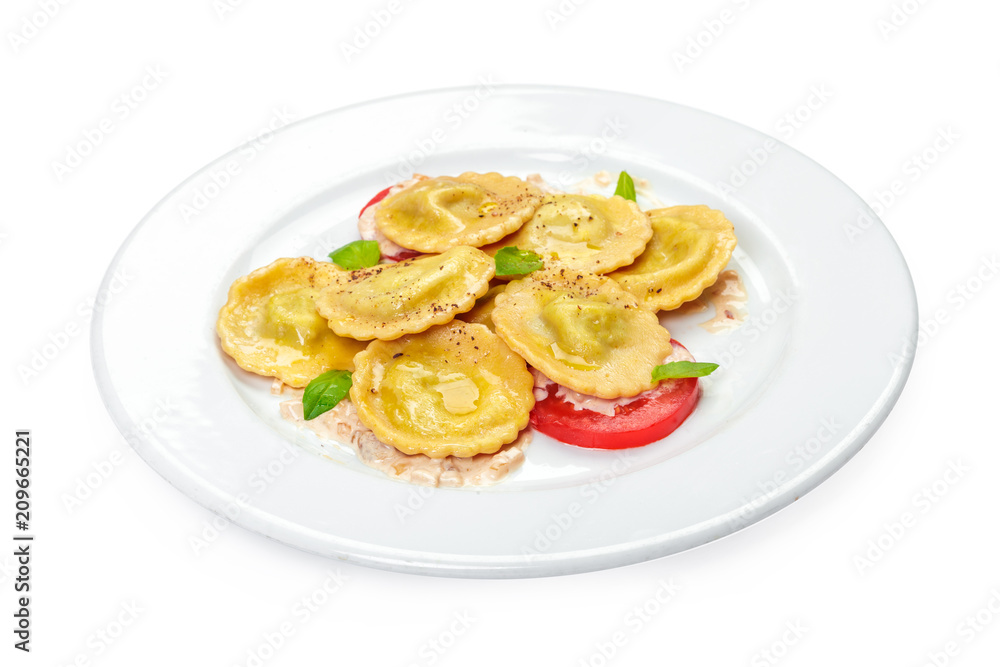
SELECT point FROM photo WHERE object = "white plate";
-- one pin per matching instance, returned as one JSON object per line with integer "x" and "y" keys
{"x": 804, "y": 385}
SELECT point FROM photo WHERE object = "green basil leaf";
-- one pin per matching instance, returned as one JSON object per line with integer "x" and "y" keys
{"x": 511, "y": 261}
{"x": 626, "y": 188}
{"x": 324, "y": 392}
{"x": 682, "y": 369}
{"x": 356, "y": 255}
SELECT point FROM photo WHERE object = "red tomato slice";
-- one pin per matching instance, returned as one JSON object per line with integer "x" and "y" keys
{"x": 655, "y": 416}
{"x": 403, "y": 254}
{"x": 376, "y": 199}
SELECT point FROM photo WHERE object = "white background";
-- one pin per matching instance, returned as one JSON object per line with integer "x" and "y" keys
{"x": 830, "y": 580}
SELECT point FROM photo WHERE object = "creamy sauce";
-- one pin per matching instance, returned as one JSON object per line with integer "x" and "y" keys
{"x": 643, "y": 190}
{"x": 341, "y": 424}
{"x": 604, "y": 179}
{"x": 542, "y": 384}
{"x": 604, "y": 406}
{"x": 542, "y": 184}
{"x": 601, "y": 179}
{"x": 366, "y": 222}
{"x": 728, "y": 297}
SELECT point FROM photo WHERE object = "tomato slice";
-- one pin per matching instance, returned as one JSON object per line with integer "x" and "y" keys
{"x": 654, "y": 416}
{"x": 374, "y": 200}
{"x": 403, "y": 254}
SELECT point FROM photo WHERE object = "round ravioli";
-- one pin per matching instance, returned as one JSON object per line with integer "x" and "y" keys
{"x": 454, "y": 390}
{"x": 444, "y": 212}
{"x": 583, "y": 232}
{"x": 690, "y": 247}
{"x": 270, "y": 326}
{"x": 387, "y": 301}
{"x": 582, "y": 331}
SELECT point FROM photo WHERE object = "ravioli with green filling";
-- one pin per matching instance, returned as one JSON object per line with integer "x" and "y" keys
{"x": 691, "y": 245}
{"x": 583, "y": 331}
{"x": 453, "y": 390}
{"x": 387, "y": 301}
{"x": 471, "y": 209}
{"x": 269, "y": 324}
{"x": 584, "y": 232}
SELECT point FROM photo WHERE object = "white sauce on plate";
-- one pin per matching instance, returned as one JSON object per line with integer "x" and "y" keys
{"x": 728, "y": 296}
{"x": 341, "y": 424}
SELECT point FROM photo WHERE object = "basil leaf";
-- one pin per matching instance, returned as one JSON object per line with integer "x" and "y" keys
{"x": 682, "y": 369}
{"x": 511, "y": 261}
{"x": 356, "y": 255}
{"x": 324, "y": 392}
{"x": 626, "y": 188}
